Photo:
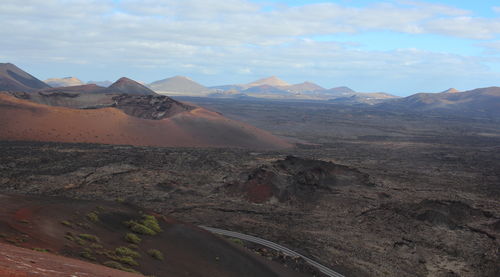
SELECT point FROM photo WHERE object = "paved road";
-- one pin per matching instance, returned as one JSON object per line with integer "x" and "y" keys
{"x": 274, "y": 246}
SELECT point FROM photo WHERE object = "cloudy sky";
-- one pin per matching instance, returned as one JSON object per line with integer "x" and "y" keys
{"x": 396, "y": 46}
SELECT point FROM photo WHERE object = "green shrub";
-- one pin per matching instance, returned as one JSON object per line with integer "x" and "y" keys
{"x": 89, "y": 237}
{"x": 139, "y": 228}
{"x": 125, "y": 251}
{"x": 117, "y": 265}
{"x": 87, "y": 254}
{"x": 156, "y": 254}
{"x": 237, "y": 241}
{"x": 66, "y": 223}
{"x": 92, "y": 216}
{"x": 126, "y": 260}
{"x": 151, "y": 222}
{"x": 41, "y": 249}
{"x": 95, "y": 246}
{"x": 72, "y": 238}
{"x": 133, "y": 246}
{"x": 147, "y": 226}
{"x": 133, "y": 238}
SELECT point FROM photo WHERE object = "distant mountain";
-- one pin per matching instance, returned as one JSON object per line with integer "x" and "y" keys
{"x": 179, "y": 84}
{"x": 63, "y": 82}
{"x": 265, "y": 90}
{"x": 128, "y": 86}
{"x": 451, "y": 90}
{"x": 12, "y": 78}
{"x": 339, "y": 91}
{"x": 477, "y": 102}
{"x": 100, "y": 83}
{"x": 73, "y": 89}
{"x": 272, "y": 81}
{"x": 304, "y": 87}
{"x": 228, "y": 87}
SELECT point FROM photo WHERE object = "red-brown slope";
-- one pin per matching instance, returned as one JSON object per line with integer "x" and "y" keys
{"x": 25, "y": 120}
{"x": 63, "y": 226}
{"x": 21, "y": 262}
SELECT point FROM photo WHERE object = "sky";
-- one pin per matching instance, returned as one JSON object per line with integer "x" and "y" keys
{"x": 395, "y": 46}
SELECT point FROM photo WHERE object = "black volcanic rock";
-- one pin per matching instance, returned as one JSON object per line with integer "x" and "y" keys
{"x": 128, "y": 86}
{"x": 12, "y": 78}
{"x": 154, "y": 107}
{"x": 296, "y": 178}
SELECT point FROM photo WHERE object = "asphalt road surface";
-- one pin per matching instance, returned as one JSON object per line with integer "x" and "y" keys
{"x": 325, "y": 270}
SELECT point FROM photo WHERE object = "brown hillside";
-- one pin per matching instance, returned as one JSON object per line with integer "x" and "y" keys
{"x": 110, "y": 233}
{"x": 25, "y": 120}
{"x": 12, "y": 78}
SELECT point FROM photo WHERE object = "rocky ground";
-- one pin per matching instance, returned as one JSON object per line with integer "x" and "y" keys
{"x": 377, "y": 198}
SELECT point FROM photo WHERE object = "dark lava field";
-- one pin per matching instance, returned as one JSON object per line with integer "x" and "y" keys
{"x": 366, "y": 192}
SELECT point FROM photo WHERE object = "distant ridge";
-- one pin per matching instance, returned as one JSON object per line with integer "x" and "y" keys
{"x": 451, "y": 90}
{"x": 128, "y": 86}
{"x": 477, "y": 102}
{"x": 269, "y": 81}
{"x": 178, "y": 84}
{"x": 63, "y": 82}
{"x": 12, "y": 78}
{"x": 100, "y": 83}
{"x": 304, "y": 87}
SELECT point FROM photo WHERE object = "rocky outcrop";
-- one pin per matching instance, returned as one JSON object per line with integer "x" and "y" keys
{"x": 296, "y": 179}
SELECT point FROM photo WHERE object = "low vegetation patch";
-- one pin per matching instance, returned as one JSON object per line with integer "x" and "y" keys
{"x": 156, "y": 254}
{"x": 126, "y": 260}
{"x": 132, "y": 238}
{"x": 69, "y": 236}
{"x": 237, "y": 241}
{"x": 125, "y": 251}
{"x": 147, "y": 226}
{"x": 41, "y": 249}
{"x": 93, "y": 216}
{"x": 89, "y": 237}
{"x": 87, "y": 253}
{"x": 119, "y": 266}
{"x": 66, "y": 223}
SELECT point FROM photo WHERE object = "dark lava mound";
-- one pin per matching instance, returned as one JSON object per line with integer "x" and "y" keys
{"x": 296, "y": 178}
{"x": 149, "y": 106}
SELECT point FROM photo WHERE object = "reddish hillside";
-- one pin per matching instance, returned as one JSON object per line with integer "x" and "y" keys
{"x": 21, "y": 262}
{"x": 116, "y": 235}
{"x": 25, "y": 120}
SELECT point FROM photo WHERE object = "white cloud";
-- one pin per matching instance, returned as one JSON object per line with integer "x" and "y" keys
{"x": 236, "y": 37}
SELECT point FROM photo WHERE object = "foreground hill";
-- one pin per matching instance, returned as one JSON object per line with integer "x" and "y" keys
{"x": 116, "y": 235}
{"x": 12, "y": 78}
{"x": 21, "y": 262}
{"x": 477, "y": 102}
{"x": 134, "y": 120}
{"x": 178, "y": 85}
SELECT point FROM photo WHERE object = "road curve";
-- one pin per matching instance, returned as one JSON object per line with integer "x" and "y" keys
{"x": 325, "y": 270}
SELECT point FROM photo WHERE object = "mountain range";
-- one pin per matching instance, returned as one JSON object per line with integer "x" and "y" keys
{"x": 124, "y": 113}
{"x": 483, "y": 101}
